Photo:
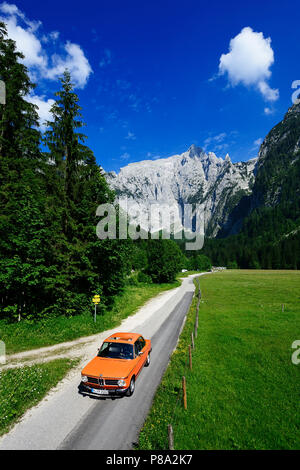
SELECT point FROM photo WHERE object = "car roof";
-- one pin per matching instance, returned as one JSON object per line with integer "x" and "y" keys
{"x": 123, "y": 337}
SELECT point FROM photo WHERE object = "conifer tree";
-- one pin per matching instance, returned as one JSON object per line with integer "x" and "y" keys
{"x": 21, "y": 185}
{"x": 19, "y": 136}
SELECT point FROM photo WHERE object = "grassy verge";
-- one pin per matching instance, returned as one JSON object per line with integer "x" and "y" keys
{"x": 27, "y": 335}
{"x": 22, "y": 388}
{"x": 243, "y": 392}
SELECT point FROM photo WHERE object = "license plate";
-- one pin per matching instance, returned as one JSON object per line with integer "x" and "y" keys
{"x": 99, "y": 392}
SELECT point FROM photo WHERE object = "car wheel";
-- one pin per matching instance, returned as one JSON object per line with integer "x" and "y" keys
{"x": 131, "y": 388}
{"x": 147, "y": 363}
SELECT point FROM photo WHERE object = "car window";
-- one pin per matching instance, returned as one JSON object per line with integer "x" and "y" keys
{"x": 116, "y": 350}
{"x": 137, "y": 347}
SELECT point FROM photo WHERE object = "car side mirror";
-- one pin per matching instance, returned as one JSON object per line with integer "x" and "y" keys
{"x": 141, "y": 353}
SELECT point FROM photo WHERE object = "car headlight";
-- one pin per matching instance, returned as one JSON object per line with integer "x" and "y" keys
{"x": 121, "y": 383}
{"x": 84, "y": 378}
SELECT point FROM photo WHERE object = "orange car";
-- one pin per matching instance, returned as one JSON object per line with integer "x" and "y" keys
{"x": 117, "y": 365}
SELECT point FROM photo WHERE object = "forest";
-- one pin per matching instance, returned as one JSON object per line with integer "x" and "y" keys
{"x": 51, "y": 261}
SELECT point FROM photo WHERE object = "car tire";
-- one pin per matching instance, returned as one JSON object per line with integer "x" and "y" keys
{"x": 130, "y": 390}
{"x": 147, "y": 363}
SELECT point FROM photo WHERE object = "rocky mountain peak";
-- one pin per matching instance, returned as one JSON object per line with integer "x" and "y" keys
{"x": 294, "y": 109}
{"x": 195, "y": 151}
{"x": 192, "y": 177}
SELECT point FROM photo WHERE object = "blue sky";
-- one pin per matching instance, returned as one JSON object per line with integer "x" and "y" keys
{"x": 154, "y": 77}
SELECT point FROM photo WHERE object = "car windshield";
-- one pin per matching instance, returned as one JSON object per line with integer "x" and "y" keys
{"x": 116, "y": 351}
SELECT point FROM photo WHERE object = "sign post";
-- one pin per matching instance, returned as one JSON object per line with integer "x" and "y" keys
{"x": 96, "y": 301}
{"x": 2, "y": 92}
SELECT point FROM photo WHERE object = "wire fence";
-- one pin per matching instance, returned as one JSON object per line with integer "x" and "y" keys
{"x": 181, "y": 395}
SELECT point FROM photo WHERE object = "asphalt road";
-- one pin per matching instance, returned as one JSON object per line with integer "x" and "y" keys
{"x": 66, "y": 419}
{"x": 115, "y": 424}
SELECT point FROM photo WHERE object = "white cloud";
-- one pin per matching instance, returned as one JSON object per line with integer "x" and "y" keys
{"x": 12, "y": 10}
{"x": 212, "y": 141}
{"x": 44, "y": 106}
{"x": 130, "y": 136}
{"x": 32, "y": 44}
{"x": 106, "y": 59}
{"x": 269, "y": 111}
{"x": 217, "y": 138}
{"x": 248, "y": 62}
{"x": 258, "y": 142}
{"x": 53, "y": 36}
{"x": 125, "y": 156}
{"x": 75, "y": 61}
{"x": 41, "y": 64}
{"x": 269, "y": 94}
{"x": 26, "y": 42}
{"x": 9, "y": 9}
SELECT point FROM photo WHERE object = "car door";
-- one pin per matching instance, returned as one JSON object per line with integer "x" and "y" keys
{"x": 138, "y": 348}
{"x": 142, "y": 343}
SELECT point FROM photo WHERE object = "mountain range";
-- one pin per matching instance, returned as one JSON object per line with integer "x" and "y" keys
{"x": 252, "y": 208}
{"x": 192, "y": 177}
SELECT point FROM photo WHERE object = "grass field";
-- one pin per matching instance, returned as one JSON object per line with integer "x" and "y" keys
{"x": 243, "y": 391}
{"x": 27, "y": 335}
{"x": 24, "y": 387}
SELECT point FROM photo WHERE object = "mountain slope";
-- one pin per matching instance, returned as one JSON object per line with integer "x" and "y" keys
{"x": 273, "y": 205}
{"x": 192, "y": 177}
{"x": 269, "y": 218}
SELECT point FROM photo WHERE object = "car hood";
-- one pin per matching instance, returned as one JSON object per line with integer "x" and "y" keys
{"x": 112, "y": 368}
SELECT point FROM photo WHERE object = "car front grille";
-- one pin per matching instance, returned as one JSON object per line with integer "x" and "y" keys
{"x": 101, "y": 382}
{"x": 93, "y": 380}
{"x": 111, "y": 382}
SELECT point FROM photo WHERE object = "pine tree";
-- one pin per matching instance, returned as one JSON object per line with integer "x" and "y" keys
{"x": 62, "y": 138}
{"x": 87, "y": 264}
{"x": 19, "y": 136}
{"x": 21, "y": 185}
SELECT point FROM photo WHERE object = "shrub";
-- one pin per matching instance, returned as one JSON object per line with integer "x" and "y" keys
{"x": 144, "y": 278}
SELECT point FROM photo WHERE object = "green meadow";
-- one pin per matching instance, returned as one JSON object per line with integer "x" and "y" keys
{"x": 243, "y": 390}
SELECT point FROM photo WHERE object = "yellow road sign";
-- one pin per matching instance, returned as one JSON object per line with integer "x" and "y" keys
{"x": 96, "y": 299}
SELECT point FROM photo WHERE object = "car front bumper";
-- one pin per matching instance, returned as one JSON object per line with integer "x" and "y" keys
{"x": 112, "y": 392}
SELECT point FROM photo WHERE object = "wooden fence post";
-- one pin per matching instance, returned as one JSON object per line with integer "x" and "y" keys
{"x": 171, "y": 437}
{"x": 199, "y": 290}
{"x": 193, "y": 344}
{"x": 184, "y": 392}
{"x": 190, "y": 357}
